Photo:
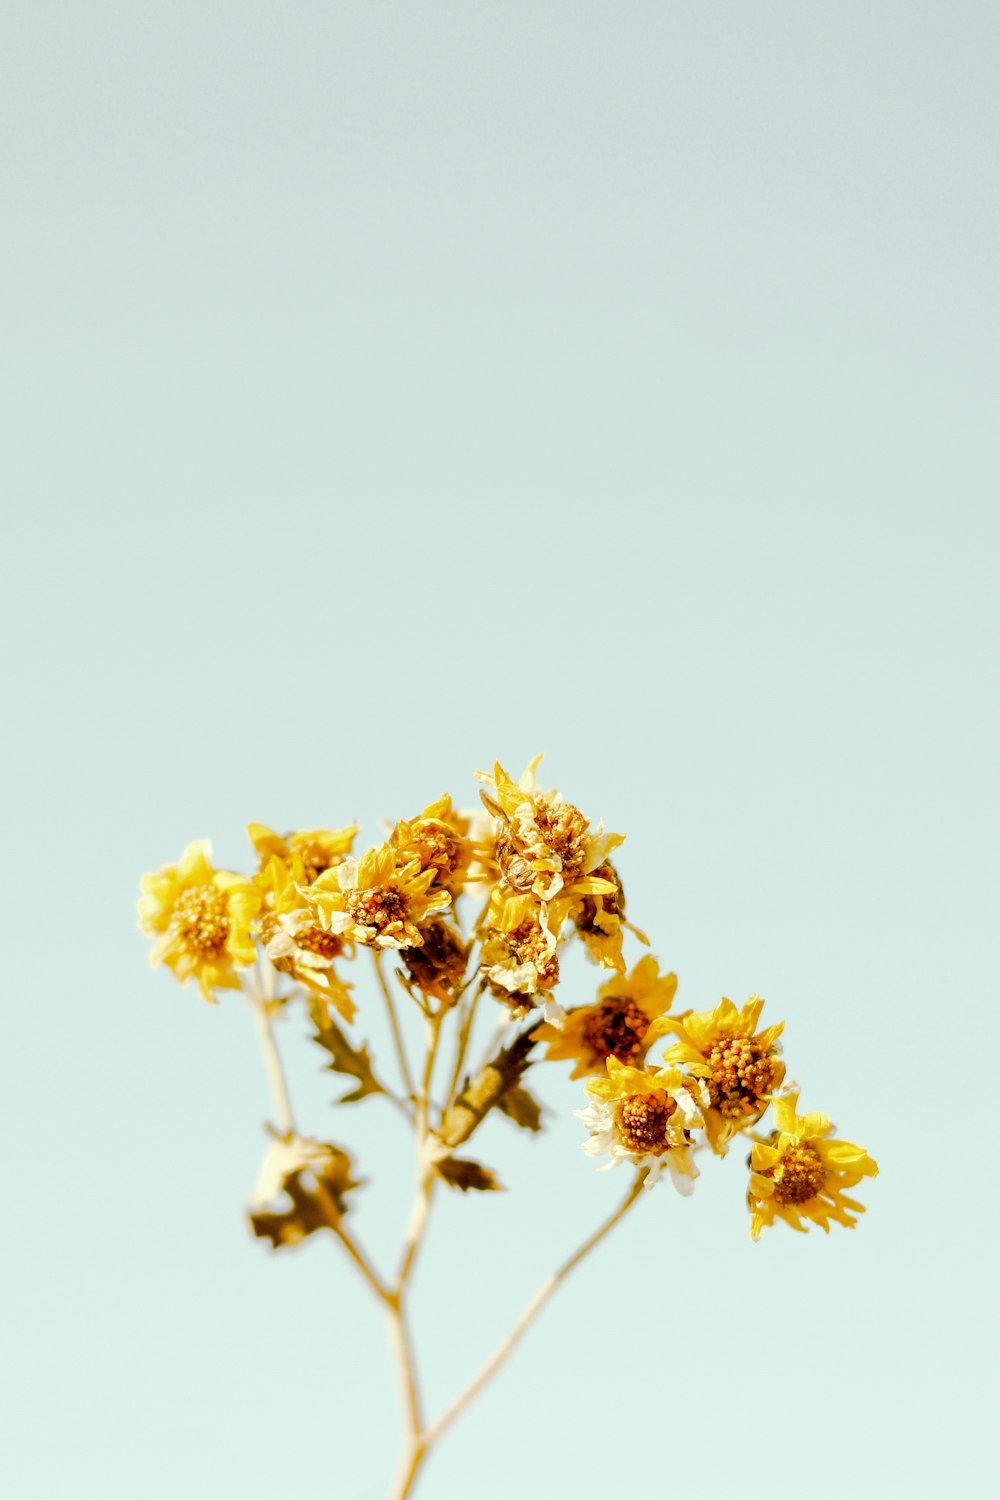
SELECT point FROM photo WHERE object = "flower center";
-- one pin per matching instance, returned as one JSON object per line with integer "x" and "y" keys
{"x": 564, "y": 830}
{"x": 440, "y": 847}
{"x": 315, "y": 860}
{"x": 799, "y": 1175}
{"x": 742, "y": 1076}
{"x": 529, "y": 946}
{"x": 380, "y": 907}
{"x": 615, "y": 1028}
{"x": 318, "y": 940}
{"x": 199, "y": 919}
{"x": 642, "y": 1121}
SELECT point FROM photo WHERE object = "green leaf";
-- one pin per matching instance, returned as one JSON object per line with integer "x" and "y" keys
{"x": 466, "y": 1175}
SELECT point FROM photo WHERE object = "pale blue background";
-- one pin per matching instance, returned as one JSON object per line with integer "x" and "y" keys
{"x": 388, "y": 387}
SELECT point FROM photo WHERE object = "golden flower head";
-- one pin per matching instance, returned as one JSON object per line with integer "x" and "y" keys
{"x": 308, "y": 852}
{"x": 645, "y": 1116}
{"x": 201, "y": 918}
{"x": 378, "y": 902}
{"x": 518, "y": 957}
{"x": 437, "y": 840}
{"x": 543, "y": 844}
{"x": 617, "y": 1024}
{"x": 298, "y": 939}
{"x": 740, "y": 1065}
{"x": 800, "y": 1174}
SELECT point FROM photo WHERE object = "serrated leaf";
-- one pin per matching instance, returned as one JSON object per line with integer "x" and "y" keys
{"x": 316, "y": 1194}
{"x": 355, "y": 1062}
{"x": 465, "y": 1175}
{"x": 522, "y": 1107}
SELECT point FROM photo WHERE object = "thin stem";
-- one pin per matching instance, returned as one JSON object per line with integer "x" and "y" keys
{"x": 353, "y": 1249}
{"x": 390, "y": 1005}
{"x": 272, "y": 1059}
{"x": 528, "y": 1316}
{"x": 462, "y": 1047}
{"x": 408, "y": 1372}
{"x": 420, "y": 1212}
{"x": 424, "y": 1098}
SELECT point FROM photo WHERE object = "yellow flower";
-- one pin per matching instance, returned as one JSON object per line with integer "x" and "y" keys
{"x": 436, "y": 840}
{"x": 201, "y": 918}
{"x": 308, "y": 853}
{"x": 741, "y": 1068}
{"x": 295, "y": 930}
{"x": 646, "y": 1117}
{"x": 543, "y": 844}
{"x": 376, "y": 901}
{"x": 600, "y": 921}
{"x": 800, "y": 1174}
{"x": 518, "y": 956}
{"x": 617, "y": 1023}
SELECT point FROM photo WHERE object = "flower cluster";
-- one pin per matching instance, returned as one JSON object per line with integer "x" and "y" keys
{"x": 464, "y": 905}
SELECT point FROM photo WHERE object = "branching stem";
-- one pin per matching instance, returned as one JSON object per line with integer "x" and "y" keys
{"x": 422, "y": 1442}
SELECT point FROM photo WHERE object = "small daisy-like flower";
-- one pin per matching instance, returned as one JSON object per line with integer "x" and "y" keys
{"x": 297, "y": 937}
{"x": 308, "y": 853}
{"x": 740, "y": 1065}
{"x": 618, "y": 1022}
{"x": 295, "y": 931}
{"x": 800, "y": 1174}
{"x": 437, "y": 840}
{"x": 543, "y": 844}
{"x": 201, "y": 918}
{"x": 377, "y": 902}
{"x": 645, "y": 1116}
{"x": 519, "y": 958}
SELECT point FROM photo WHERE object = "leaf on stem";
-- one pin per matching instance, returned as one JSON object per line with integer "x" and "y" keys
{"x": 522, "y": 1107}
{"x": 465, "y": 1174}
{"x": 312, "y": 1177}
{"x": 345, "y": 1058}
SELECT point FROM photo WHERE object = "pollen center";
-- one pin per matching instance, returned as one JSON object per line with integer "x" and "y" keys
{"x": 615, "y": 1028}
{"x": 642, "y": 1122}
{"x": 318, "y": 940}
{"x": 799, "y": 1175}
{"x": 199, "y": 919}
{"x": 564, "y": 830}
{"x": 529, "y": 946}
{"x": 742, "y": 1075}
{"x": 380, "y": 907}
{"x": 316, "y": 860}
{"x": 441, "y": 848}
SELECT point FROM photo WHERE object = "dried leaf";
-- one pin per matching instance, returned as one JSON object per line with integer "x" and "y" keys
{"x": 316, "y": 1193}
{"x": 344, "y": 1058}
{"x": 521, "y": 1107}
{"x": 462, "y": 1174}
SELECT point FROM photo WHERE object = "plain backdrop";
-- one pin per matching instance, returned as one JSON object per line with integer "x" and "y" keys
{"x": 389, "y": 388}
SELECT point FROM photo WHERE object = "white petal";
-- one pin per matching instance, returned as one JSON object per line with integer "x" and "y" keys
{"x": 554, "y": 1013}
